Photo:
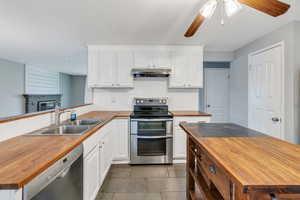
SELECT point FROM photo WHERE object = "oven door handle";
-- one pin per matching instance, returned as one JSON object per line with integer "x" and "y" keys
{"x": 151, "y": 120}
{"x": 155, "y": 137}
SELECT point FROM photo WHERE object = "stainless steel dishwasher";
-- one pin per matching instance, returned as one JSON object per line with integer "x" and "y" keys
{"x": 61, "y": 181}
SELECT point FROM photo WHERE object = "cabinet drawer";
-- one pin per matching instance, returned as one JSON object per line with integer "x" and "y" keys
{"x": 216, "y": 176}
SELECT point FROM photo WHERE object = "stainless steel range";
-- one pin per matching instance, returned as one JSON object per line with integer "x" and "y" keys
{"x": 151, "y": 132}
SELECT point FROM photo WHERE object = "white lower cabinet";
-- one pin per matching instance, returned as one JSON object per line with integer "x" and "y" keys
{"x": 179, "y": 151}
{"x": 179, "y": 145}
{"x": 121, "y": 139}
{"x": 91, "y": 174}
{"x": 108, "y": 144}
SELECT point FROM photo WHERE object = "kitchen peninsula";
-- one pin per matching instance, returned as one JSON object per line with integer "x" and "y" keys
{"x": 230, "y": 162}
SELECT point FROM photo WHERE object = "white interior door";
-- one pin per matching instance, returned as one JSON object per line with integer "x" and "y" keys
{"x": 266, "y": 91}
{"x": 217, "y": 93}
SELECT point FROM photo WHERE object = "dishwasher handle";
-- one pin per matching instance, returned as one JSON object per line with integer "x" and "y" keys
{"x": 64, "y": 173}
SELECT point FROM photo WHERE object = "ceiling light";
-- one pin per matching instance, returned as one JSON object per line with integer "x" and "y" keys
{"x": 209, "y": 8}
{"x": 232, "y": 7}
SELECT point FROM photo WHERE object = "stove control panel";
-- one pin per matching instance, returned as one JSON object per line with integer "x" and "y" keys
{"x": 151, "y": 101}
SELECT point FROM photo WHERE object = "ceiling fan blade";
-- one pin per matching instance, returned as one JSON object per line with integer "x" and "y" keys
{"x": 194, "y": 26}
{"x": 274, "y": 8}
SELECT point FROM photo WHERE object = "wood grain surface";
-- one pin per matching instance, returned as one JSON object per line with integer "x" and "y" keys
{"x": 24, "y": 157}
{"x": 274, "y": 8}
{"x": 257, "y": 164}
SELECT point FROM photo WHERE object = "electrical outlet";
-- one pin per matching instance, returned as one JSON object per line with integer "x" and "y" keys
{"x": 113, "y": 100}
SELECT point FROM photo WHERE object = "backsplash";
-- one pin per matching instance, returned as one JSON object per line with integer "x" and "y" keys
{"x": 122, "y": 99}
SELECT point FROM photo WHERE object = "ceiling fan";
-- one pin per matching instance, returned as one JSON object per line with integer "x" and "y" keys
{"x": 274, "y": 8}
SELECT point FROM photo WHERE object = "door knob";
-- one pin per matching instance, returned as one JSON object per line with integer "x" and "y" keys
{"x": 208, "y": 106}
{"x": 276, "y": 119}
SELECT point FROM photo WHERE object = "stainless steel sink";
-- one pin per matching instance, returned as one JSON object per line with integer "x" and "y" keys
{"x": 62, "y": 130}
{"x": 77, "y": 127}
{"x": 86, "y": 122}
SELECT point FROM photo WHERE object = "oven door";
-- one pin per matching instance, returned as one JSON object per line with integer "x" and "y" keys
{"x": 151, "y": 149}
{"x": 152, "y": 127}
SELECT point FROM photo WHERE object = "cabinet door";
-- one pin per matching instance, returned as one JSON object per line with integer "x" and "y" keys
{"x": 194, "y": 71}
{"x": 104, "y": 156}
{"x": 179, "y": 144}
{"x": 91, "y": 174}
{"x": 121, "y": 135}
{"x": 106, "y": 72}
{"x": 179, "y": 70}
{"x": 143, "y": 59}
{"x": 92, "y": 67}
{"x": 124, "y": 66}
{"x": 162, "y": 59}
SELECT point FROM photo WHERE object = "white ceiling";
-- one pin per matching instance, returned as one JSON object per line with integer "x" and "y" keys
{"x": 55, "y": 33}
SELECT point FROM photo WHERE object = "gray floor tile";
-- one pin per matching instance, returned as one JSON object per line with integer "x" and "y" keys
{"x": 173, "y": 195}
{"x": 149, "y": 171}
{"x": 104, "y": 196}
{"x": 120, "y": 166}
{"x": 149, "y": 182}
{"x": 177, "y": 172}
{"x": 166, "y": 184}
{"x": 137, "y": 196}
{"x": 119, "y": 173}
{"x": 125, "y": 185}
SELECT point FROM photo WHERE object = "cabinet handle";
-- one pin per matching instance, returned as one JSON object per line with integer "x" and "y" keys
{"x": 212, "y": 169}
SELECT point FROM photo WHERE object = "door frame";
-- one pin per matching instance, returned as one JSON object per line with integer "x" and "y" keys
{"x": 282, "y": 45}
{"x": 205, "y": 89}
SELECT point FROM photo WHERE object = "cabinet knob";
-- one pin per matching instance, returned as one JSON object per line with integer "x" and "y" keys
{"x": 212, "y": 169}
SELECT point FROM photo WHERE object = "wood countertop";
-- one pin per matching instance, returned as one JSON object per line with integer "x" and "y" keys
{"x": 189, "y": 113}
{"x": 255, "y": 161}
{"x": 24, "y": 157}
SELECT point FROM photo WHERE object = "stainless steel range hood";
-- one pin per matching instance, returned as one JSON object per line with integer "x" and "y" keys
{"x": 150, "y": 72}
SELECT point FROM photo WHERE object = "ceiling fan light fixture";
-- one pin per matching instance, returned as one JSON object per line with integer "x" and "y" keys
{"x": 232, "y": 7}
{"x": 209, "y": 8}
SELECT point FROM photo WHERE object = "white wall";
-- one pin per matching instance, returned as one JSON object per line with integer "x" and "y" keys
{"x": 218, "y": 56}
{"x": 287, "y": 35}
{"x": 19, "y": 127}
{"x": 238, "y": 103}
{"x": 297, "y": 80}
{"x": 12, "y": 77}
{"x": 41, "y": 81}
{"x": 122, "y": 99}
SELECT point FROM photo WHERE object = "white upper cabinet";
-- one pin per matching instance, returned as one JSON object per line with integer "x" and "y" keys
{"x": 187, "y": 68}
{"x": 152, "y": 57}
{"x": 143, "y": 58}
{"x": 110, "y": 66}
{"x": 123, "y": 71}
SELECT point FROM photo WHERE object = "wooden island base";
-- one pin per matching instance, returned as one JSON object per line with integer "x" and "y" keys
{"x": 212, "y": 178}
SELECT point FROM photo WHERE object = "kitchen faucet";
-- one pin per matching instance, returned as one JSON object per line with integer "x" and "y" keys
{"x": 58, "y": 113}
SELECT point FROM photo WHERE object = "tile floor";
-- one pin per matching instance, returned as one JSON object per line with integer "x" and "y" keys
{"x": 154, "y": 182}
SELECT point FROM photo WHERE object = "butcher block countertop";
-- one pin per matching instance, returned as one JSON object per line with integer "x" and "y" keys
{"x": 24, "y": 157}
{"x": 254, "y": 160}
{"x": 189, "y": 113}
